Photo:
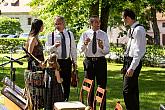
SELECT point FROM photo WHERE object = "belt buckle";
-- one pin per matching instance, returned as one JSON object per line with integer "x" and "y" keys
{"x": 94, "y": 59}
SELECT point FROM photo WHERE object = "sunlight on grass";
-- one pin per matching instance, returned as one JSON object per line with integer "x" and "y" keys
{"x": 151, "y": 83}
{"x": 151, "y": 93}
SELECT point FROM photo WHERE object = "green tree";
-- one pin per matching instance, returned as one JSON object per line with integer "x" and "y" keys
{"x": 154, "y": 6}
{"x": 102, "y": 8}
{"x": 105, "y": 9}
{"x": 77, "y": 13}
{"x": 9, "y": 26}
{"x": 147, "y": 10}
{"x": 94, "y": 8}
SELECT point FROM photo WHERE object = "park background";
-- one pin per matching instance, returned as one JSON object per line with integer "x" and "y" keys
{"x": 77, "y": 13}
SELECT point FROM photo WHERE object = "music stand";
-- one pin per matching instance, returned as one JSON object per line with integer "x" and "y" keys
{"x": 12, "y": 69}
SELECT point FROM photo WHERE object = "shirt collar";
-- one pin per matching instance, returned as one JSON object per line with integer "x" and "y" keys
{"x": 134, "y": 24}
{"x": 56, "y": 31}
{"x": 93, "y": 31}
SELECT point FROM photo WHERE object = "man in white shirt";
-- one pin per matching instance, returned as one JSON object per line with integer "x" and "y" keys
{"x": 135, "y": 50}
{"x": 62, "y": 42}
{"x": 95, "y": 45}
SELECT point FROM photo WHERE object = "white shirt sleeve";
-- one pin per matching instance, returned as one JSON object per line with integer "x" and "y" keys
{"x": 80, "y": 46}
{"x": 73, "y": 48}
{"x": 48, "y": 45}
{"x": 106, "y": 47}
{"x": 138, "y": 47}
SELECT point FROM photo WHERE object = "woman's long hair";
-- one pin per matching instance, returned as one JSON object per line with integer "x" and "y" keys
{"x": 36, "y": 27}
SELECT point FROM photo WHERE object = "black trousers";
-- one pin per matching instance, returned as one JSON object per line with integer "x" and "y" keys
{"x": 96, "y": 68}
{"x": 65, "y": 73}
{"x": 130, "y": 86}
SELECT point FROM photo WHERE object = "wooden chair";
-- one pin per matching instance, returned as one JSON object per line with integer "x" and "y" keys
{"x": 99, "y": 98}
{"x": 118, "y": 106}
{"x": 87, "y": 85}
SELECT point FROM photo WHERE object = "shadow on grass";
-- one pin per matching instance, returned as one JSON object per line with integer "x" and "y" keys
{"x": 151, "y": 85}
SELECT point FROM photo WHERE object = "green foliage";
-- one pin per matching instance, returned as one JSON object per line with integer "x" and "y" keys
{"x": 74, "y": 11}
{"x": 118, "y": 50}
{"x": 142, "y": 8}
{"x": 9, "y": 26}
{"x": 154, "y": 54}
{"x": 6, "y": 44}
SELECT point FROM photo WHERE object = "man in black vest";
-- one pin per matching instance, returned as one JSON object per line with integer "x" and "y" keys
{"x": 135, "y": 50}
{"x": 62, "y": 42}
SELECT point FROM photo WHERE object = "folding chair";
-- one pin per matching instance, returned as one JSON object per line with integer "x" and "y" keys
{"x": 87, "y": 85}
{"x": 162, "y": 107}
{"x": 99, "y": 98}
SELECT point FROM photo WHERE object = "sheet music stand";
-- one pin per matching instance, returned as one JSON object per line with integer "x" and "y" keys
{"x": 12, "y": 69}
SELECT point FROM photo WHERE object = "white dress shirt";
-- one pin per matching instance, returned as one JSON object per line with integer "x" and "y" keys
{"x": 138, "y": 45}
{"x": 87, "y": 49}
{"x": 71, "y": 52}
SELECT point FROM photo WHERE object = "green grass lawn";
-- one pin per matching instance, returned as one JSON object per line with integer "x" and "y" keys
{"x": 151, "y": 83}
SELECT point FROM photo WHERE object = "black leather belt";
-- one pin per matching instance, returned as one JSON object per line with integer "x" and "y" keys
{"x": 95, "y": 58}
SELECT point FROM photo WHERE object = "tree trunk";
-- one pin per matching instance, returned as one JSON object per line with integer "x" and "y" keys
{"x": 155, "y": 26}
{"x": 94, "y": 8}
{"x": 105, "y": 8}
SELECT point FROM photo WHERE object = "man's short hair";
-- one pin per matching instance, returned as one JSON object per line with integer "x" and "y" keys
{"x": 129, "y": 13}
{"x": 60, "y": 17}
{"x": 92, "y": 18}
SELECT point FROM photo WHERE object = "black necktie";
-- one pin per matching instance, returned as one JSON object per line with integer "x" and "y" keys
{"x": 63, "y": 44}
{"x": 94, "y": 44}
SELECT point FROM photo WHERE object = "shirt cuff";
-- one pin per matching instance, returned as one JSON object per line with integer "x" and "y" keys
{"x": 134, "y": 64}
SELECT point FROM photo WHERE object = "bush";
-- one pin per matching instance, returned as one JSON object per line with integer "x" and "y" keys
{"x": 154, "y": 54}
{"x": 152, "y": 57}
{"x": 119, "y": 51}
{"x": 6, "y": 44}
{"x": 9, "y": 26}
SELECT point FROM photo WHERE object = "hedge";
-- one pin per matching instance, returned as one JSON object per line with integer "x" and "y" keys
{"x": 154, "y": 54}
{"x": 8, "y": 44}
